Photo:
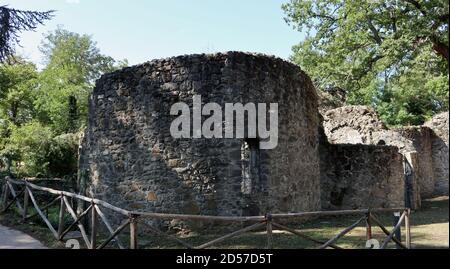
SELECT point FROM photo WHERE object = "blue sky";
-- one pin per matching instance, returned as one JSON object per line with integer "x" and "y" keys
{"x": 141, "y": 30}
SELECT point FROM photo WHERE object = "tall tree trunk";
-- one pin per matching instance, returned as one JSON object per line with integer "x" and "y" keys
{"x": 440, "y": 48}
{"x": 73, "y": 114}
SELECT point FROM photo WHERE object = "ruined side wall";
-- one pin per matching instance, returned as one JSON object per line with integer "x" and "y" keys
{"x": 361, "y": 176}
{"x": 440, "y": 125}
{"x": 421, "y": 138}
{"x": 352, "y": 125}
{"x": 361, "y": 125}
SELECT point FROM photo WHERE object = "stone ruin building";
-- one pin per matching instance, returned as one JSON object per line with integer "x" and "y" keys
{"x": 134, "y": 162}
{"x": 352, "y": 161}
{"x": 423, "y": 149}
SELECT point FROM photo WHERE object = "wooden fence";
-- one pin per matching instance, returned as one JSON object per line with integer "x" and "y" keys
{"x": 16, "y": 190}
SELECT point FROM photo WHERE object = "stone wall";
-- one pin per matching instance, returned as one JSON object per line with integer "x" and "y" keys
{"x": 361, "y": 125}
{"x": 361, "y": 176}
{"x": 133, "y": 161}
{"x": 420, "y": 136}
{"x": 352, "y": 125}
{"x": 440, "y": 125}
{"x": 413, "y": 198}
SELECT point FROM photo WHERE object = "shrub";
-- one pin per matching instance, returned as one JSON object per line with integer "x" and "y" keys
{"x": 63, "y": 155}
{"x": 31, "y": 143}
{"x": 38, "y": 153}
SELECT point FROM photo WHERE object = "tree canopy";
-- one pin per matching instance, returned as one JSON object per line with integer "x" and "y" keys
{"x": 43, "y": 111}
{"x": 391, "y": 54}
{"x": 73, "y": 63}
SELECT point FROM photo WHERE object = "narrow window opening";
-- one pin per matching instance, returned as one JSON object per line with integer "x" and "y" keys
{"x": 250, "y": 158}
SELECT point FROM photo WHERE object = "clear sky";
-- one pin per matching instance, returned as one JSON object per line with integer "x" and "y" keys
{"x": 140, "y": 30}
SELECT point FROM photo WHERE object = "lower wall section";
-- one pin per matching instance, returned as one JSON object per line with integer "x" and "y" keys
{"x": 361, "y": 176}
{"x": 440, "y": 125}
{"x": 421, "y": 137}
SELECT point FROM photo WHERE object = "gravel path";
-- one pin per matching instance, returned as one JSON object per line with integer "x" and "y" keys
{"x": 13, "y": 239}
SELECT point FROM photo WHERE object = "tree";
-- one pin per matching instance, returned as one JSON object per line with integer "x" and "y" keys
{"x": 38, "y": 152}
{"x": 41, "y": 112}
{"x": 17, "y": 83}
{"x": 77, "y": 55}
{"x": 12, "y": 23}
{"x": 375, "y": 50}
{"x": 73, "y": 63}
{"x": 415, "y": 96}
{"x": 29, "y": 145}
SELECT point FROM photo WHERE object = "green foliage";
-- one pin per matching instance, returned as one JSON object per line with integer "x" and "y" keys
{"x": 62, "y": 155}
{"x": 73, "y": 64}
{"x": 391, "y": 54}
{"x": 38, "y": 153}
{"x": 30, "y": 144}
{"x": 17, "y": 85}
{"x": 42, "y": 112}
{"x": 75, "y": 56}
{"x": 414, "y": 97}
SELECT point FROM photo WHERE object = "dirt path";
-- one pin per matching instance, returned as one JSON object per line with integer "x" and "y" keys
{"x": 12, "y": 239}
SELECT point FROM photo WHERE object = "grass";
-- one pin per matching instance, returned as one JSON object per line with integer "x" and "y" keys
{"x": 430, "y": 229}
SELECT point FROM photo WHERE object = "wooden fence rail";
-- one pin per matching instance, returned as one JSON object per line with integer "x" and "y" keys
{"x": 93, "y": 214}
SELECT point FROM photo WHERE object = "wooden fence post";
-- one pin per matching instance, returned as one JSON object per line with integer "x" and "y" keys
{"x": 368, "y": 227}
{"x": 391, "y": 235}
{"x": 93, "y": 226}
{"x": 408, "y": 229}
{"x": 269, "y": 231}
{"x": 133, "y": 232}
{"x": 62, "y": 210}
{"x": 26, "y": 196}
{"x": 398, "y": 233}
{"x": 5, "y": 195}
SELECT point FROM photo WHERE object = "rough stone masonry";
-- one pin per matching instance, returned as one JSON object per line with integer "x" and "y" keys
{"x": 439, "y": 124}
{"x": 349, "y": 159}
{"x": 425, "y": 150}
{"x": 133, "y": 161}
